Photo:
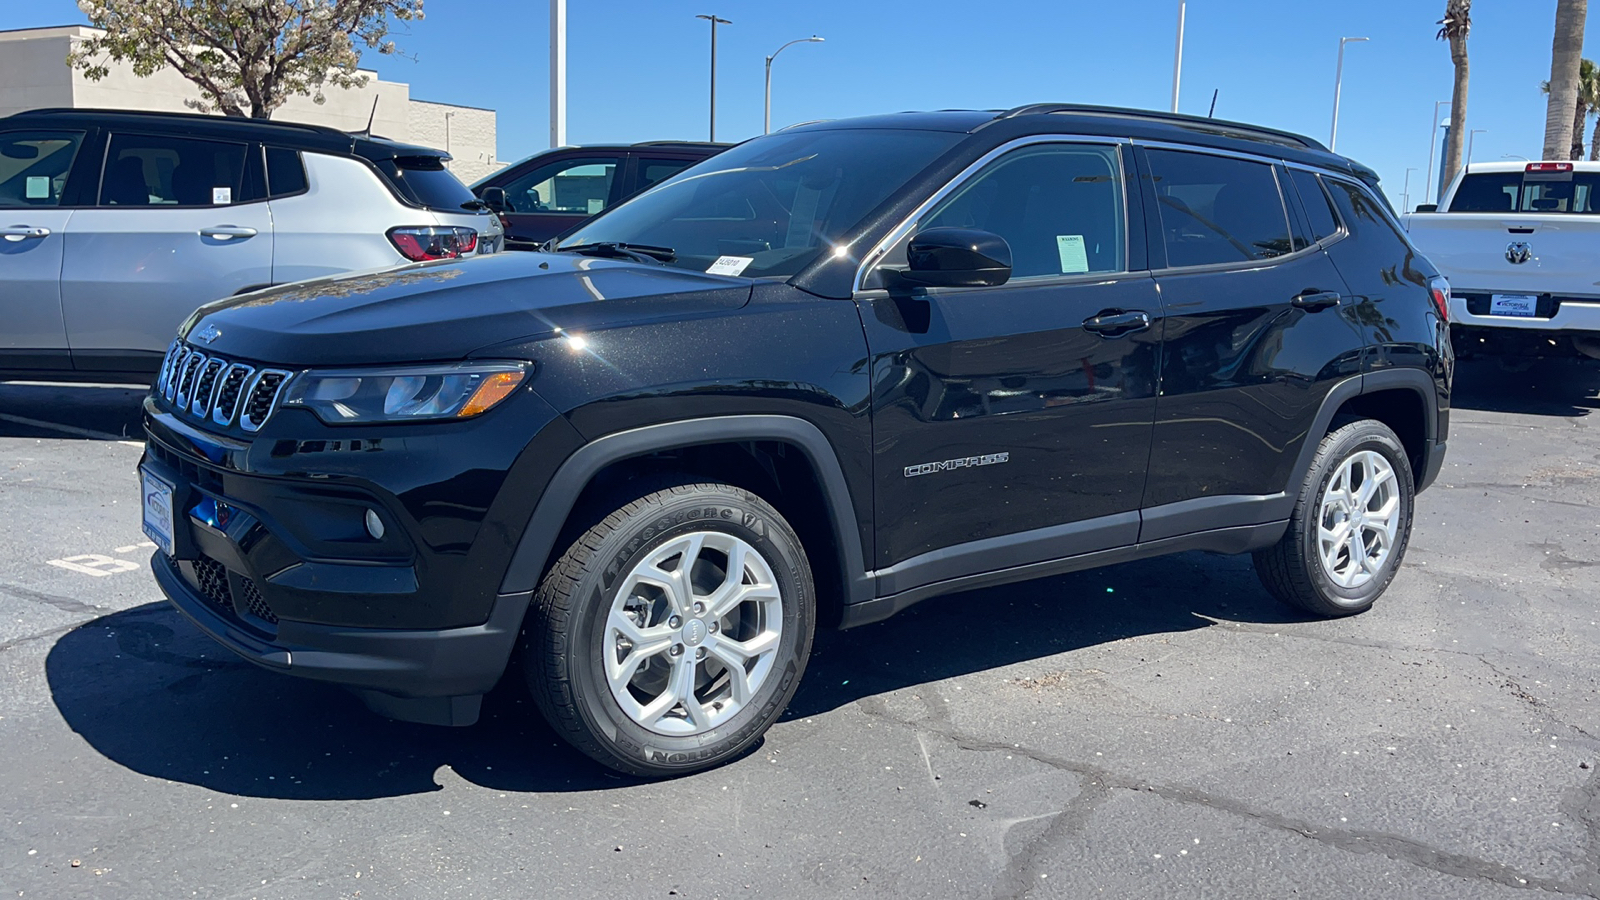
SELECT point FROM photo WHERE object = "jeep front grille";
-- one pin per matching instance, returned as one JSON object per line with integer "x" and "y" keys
{"x": 219, "y": 389}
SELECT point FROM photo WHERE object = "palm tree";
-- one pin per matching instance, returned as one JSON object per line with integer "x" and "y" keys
{"x": 1588, "y": 102}
{"x": 1454, "y": 27}
{"x": 1566, "y": 55}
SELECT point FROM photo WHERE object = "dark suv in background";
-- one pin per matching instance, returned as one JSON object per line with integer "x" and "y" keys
{"x": 840, "y": 369}
{"x": 552, "y": 192}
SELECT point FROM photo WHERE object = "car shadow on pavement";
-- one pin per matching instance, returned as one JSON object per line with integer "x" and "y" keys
{"x": 148, "y": 691}
{"x": 1547, "y": 387}
{"x": 71, "y": 411}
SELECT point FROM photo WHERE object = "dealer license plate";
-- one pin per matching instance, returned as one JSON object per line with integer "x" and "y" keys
{"x": 1522, "y": 305}
{"x": 157, "y": 510}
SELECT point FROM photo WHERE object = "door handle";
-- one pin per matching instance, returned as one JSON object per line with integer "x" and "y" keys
{"x": 23, "y": 232}
{"x": 1116, "y": 322}
{"x": 227, "y": 232}
{"x": 1311, "y": 301}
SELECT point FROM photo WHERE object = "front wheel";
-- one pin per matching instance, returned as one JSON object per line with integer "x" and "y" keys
{"x": 669, "y": 636}
{"x": 1350, "y": 525}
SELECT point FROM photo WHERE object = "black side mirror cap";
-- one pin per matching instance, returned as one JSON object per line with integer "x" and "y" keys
{"x": 1427, "y": 207}
{"x": 957, "y": 257}
{"x": 495, "y": 199}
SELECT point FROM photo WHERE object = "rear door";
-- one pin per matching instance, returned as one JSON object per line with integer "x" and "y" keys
{"x": 174, "y": 227}
{"x": 34, "y": 165}
{"x": 554, "y": 196}
{"x": 1258, "y": 330}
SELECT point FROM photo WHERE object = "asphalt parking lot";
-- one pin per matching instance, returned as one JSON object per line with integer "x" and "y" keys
{"x": 1154, "y": 729}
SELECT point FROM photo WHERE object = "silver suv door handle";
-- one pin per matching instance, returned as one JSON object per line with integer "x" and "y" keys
{"x": 23, "y": 232}
{"x": 227, "y": 232}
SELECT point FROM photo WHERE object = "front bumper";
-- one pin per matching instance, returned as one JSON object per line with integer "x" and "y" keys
{"x": 432, "y": 676}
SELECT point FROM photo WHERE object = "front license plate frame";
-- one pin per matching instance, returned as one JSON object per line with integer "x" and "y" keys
{"x": 157, "y": 519}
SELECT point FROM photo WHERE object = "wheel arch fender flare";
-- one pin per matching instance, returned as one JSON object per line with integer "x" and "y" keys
{"x": 1415, "y": 380}
{"x": 533, "y": 550}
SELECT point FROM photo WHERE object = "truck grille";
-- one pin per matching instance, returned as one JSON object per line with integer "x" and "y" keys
{"x": 219, "y": 389}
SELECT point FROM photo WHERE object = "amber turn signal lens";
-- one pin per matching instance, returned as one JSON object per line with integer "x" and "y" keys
{"x": 494, "y": 388}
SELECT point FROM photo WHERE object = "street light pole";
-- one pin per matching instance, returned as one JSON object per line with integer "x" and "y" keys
{"x": 1338, "y": 82}
{"x": 1177, "y": 59}
{"x": 447, "y": 117}
{"x": 714, "y": 23}
{"x": 558, "y": 73}
{"x": 766, "y": 127}
{"x": 1433, "y": 143}
{"x": 1470, "y": 135}
{"x": 1405, "y": 192}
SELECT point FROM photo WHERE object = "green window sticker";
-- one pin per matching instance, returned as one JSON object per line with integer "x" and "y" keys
{"x": 1074, "y": 257}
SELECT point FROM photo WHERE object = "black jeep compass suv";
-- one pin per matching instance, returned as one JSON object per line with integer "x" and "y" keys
{"x": 816, "y": 378}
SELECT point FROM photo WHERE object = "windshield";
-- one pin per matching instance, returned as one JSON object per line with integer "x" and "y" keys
{"x": 1527, "y": 192}
{"x": 768, "y": 206}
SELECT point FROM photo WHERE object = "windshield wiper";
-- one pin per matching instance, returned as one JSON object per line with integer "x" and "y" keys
{"x": 622, "y": 250}
{"x": 477, "y": 205}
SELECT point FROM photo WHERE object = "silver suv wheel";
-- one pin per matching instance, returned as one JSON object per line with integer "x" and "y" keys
{"x": 1358, "y": 519}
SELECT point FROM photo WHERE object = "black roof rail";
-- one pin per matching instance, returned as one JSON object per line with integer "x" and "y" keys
{"x": 680, "y": 144}
{"x": 1223, "y": 126}
{"x": 197, "y": 117}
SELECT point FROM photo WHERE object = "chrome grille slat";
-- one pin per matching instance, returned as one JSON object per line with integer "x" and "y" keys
{"x": 218, "y": 389}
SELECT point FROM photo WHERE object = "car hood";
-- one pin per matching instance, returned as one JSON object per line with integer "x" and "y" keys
{"x": 444, "y": 310}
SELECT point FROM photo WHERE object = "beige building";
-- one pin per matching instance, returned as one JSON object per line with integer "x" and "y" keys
{"x": 34, "y": 74}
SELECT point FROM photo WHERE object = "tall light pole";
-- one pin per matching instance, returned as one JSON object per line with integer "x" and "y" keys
{"x": 1177, "y": 57}
{"x": 1433, "y": 142}
{"x": 1338, "y": 82}
{"x": 1405, "y": 192}
{"x": 1470, "y": 135}
{"x": 766, "y": 128}
{"x": 447, "y": 117}
{"x": 558, "y": 73}
{"x": 714, "y": 23}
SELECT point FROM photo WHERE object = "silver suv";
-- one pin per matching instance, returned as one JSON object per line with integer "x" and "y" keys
{"x": 115, "y": 226}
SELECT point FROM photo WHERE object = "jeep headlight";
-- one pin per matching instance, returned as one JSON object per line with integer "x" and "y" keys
{"x": 404, "y": 394}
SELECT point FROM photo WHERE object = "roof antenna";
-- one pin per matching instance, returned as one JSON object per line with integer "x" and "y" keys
{"x": 374, "y": 114}
{"x": 1213, "y": 113}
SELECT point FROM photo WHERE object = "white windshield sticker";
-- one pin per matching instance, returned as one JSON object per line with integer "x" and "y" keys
{"x": 1074, "y": 258}
{"x": 37, "y": 187}
{"x": 221, "y": 196}
{"x": 729, "y": 265}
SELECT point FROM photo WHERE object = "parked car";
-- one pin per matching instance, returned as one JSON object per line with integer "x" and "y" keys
{"x": 838, "y": 370}
{"x": 555, "y": 191}
{"x": 1520, "y": 243}
{"x": 115, "y": 226}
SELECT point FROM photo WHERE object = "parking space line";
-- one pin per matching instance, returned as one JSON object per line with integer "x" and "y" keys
{"x": 70, "y": 429}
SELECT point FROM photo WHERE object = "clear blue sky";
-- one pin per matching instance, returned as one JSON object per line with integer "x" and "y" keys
{"x": 637, "y": 69}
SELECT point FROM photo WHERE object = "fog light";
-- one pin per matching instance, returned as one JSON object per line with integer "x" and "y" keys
{"x": 374, "y": 525}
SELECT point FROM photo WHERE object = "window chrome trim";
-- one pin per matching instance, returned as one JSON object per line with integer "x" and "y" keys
{"x": 881, "y": 249}
{"x": 1283, "y": 201}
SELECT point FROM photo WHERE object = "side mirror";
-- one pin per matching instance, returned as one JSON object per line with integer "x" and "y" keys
{"x": 958, "y": 257}
{"x": 1427, "y": 207}
{"x": 495, "y": 199}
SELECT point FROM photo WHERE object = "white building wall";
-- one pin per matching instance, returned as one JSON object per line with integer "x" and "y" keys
{"x": 34, "y": 74}
{"x": 468, "y": 134}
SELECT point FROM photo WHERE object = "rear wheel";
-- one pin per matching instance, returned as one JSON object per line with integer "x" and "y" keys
{"x": 1350, "y": 525}
{"x": 669, "y": 636}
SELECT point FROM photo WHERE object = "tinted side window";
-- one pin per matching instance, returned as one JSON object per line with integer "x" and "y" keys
{"x": 34, "y": 166}
{"x": 1216, "y": 209}
{"x": 574, "y": 186}
{"x": 1059, "y": 206}
{"x": 654, "y": 171}
{"x": 425, "y": 181}
{"x": 1315, "y": 201}
{"x": 153, "y": 170}
{"x": 1362, "y": 213}
{"x": 286, "y": 172}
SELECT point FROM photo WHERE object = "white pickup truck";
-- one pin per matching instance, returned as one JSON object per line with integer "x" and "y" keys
{"x": 1520, "y": 245}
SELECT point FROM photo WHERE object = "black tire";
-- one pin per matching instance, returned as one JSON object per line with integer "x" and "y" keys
{"x": 564, "y": 633}
{"x": 1292, "y": 570}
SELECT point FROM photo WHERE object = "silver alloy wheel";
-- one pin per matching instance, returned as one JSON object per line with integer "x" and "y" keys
{"x": 692, "y": 633}
{"x": 1358, "y": 520}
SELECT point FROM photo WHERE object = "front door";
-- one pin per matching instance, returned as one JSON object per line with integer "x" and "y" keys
{"x": 549, "y": 199}
{"x": 1258, "y": 331}
{"x": 1011, "y": 425}
{"x": 33, "y": 174}
{"x": 172, "y": 230}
